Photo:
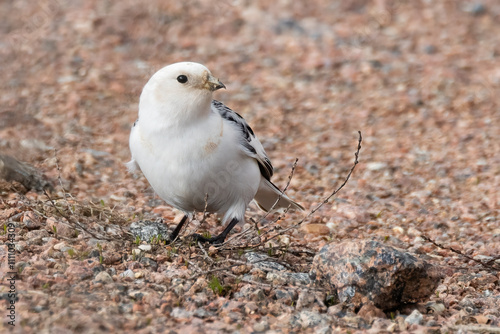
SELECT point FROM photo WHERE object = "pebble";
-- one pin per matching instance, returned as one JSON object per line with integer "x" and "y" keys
{"x": 128, "y": 273}
{"x": 180, "y": 313}
{"x": 264, "y": 262}
{"x": 317, "y": 229}
{"x": 376, "y": 166}
{"x": 103, "y": 277}
{"x": 415, "y": 318}
{"x": 145, "y": 248}
{"x": 261, "y": 326}
{"x": 309, "y": 319}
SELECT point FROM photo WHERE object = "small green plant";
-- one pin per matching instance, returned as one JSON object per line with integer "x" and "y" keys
{"x": 331, "y": 300}
{"x": 102, "y": 203}
{"x": 207, "y": 235}
{"x": 54, "y": 228}
{"x": 46, "y": 286}
{"x": 101, "y": 258}
{"x": 270, "y": 251}
{"x": 83, "y": 255}
{"x": 217, "y": 287}
{"x": 71, "y": 252}
{"x": 4, "y": 228}
{"x": 137, "y": 240}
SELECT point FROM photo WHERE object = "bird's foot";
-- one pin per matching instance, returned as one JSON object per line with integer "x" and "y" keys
{"x": 217, "y": 240}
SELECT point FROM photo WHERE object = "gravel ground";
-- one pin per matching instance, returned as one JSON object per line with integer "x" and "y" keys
{"x": 419, "y": 79}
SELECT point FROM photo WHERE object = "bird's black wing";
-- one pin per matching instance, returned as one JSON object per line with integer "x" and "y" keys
{"x": 249, "y": 142}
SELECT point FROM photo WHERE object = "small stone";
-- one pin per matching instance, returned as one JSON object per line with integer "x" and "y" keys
{"x": 309, "y": 319}
{"x": 369, "y": 311}
{"x": 316, "y": 229}
{"x": 59, "y": 246}
{"x": 286, "y": 297}
{"x": 475, "y": 9}
{"x": 261, "y": 326}
{"x": 20, "y": 246}
{"x": 180, "y": 313}
{"x": 376, "y": 166}
{"x": 202, "y": 313}
{"x": 415, "y": 318}
{"x": 264, "y": 262}
{"x": 392, "y": 327}
{"x": 398, "y": 230}
{"x": 306, "y": 299}
{"x": 251, "y": 307}
{"x": 103, "y": 277}
{"x": 145, "y": 248}
{"x": 212, "y": 250}
{"x": 128, "y": 273}
{"x": 149, "y": 262}
{"x": 31, "y": 221}
{"x": 430, "y": 49}
{"x": 435, "y": 308}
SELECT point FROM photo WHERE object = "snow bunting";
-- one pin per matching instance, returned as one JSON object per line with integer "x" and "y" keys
{"x": 196, "y": 152}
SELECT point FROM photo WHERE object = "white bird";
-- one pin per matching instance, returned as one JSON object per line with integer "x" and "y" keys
{"x": 196, "y": 152}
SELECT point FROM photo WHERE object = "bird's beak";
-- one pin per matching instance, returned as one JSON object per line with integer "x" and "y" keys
{"x": 213, "y": 83}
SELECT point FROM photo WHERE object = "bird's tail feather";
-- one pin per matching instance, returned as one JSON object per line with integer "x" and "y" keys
{"x": 268, "y": 194}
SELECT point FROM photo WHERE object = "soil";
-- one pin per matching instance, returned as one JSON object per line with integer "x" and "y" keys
{"x": 419, "y": 79}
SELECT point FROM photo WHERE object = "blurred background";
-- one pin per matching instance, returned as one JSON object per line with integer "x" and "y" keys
{"x": 419, "y": 79}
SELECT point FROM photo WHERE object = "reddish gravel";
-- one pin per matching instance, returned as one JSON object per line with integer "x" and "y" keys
{"x": 419, "y": 79}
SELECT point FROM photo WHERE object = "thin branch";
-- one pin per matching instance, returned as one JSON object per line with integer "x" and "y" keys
{"x": 72, "y": 221}
{"x": 488, "y": 264}
{"x": 326, "y": 200}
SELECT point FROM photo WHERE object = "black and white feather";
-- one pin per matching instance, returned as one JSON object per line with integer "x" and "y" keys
{"x": 251, "y": 145}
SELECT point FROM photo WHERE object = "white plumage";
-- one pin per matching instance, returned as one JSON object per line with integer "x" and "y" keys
{"x": 189, "y": 146}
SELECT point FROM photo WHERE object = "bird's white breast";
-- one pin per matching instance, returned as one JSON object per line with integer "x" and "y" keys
{"x": 185, "y": 164}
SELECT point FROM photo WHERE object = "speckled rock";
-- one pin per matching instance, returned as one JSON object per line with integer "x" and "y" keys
{"x": 146, "y": 229}
{"x": 309, "y": 319}
{"x": 362, "y": 271}
{"x": 264, "y": 262}
{"x": 103, "y": 277}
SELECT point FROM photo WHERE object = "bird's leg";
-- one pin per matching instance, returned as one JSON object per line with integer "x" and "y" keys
{"x": 178, "y": 228}
{"x": 221, "y": 237}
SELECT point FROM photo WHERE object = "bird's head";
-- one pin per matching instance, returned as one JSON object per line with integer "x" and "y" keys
{"x": 180, "y": 90}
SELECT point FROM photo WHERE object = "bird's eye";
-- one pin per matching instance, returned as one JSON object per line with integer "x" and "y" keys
{"x": 182, "y": 79}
